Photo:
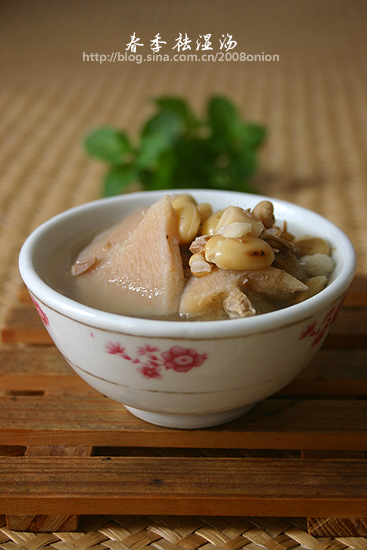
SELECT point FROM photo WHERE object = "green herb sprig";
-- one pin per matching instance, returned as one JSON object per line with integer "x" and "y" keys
{"x": 177, "y": 150}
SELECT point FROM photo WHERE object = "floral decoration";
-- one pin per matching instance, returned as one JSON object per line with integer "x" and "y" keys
{"x": 182, "y": 360}
{"x": 150, "y": 361}
{"x": 317, "y": 330}
{"x": 41, "y": 313}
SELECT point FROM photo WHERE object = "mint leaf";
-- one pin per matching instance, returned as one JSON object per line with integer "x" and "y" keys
{"x": 118, "y": 180}
{"x": 151, "y": 148}
{"x": 194, "y": 163}
{"x": 243, "y": 164}
{"x": 180, "y": 108}
{"x": 165, "y": 123}
{"x": 232, "y": 170}
{"x": 175, "y": 149}
{"x": 253, "y": 135}
{"x": 107, "y": 143}
{"x": 159, "y": 134}
{"x": 163, "y": 175}
{"x": 223, "y": 117}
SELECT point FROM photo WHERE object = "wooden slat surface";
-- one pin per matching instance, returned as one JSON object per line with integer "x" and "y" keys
{"x": 273, "y": 424}
{"x": 23, "y": 325}
{"x": 127, "y": 485}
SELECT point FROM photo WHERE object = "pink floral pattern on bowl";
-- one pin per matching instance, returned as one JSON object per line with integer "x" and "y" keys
{"x": 317, "y": 330}
{"x": 151, "y": 361}
{"x": 41, "y": 313}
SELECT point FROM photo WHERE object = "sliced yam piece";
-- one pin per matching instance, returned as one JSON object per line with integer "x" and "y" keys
{"x": 102, "y": 242}
{"x": 140, "y": 274}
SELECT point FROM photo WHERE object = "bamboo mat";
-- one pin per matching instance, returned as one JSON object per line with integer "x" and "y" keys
{"x": 313, "y": 102}
{"x": 177, "y": 533}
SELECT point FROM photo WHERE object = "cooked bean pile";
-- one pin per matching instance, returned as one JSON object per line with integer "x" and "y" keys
{"x": 278, "y": 268}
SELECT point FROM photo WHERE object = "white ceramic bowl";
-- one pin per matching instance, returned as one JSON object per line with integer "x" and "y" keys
{"x": 182, "y": 374}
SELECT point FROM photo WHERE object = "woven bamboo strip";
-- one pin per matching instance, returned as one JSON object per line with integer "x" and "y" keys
{"x": 177, "y": 533}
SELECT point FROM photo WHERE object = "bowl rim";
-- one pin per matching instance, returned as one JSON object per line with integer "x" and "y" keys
{"x": 182, "y": 329}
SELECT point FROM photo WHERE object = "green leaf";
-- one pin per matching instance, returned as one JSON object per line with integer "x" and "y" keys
{"x": 194, "y": 162}
{"x": 162, "y": 178}
{"x": 178, "y": 150}
{"x": 118, "y": 179}
{"x": 243, "y": 164}
{"x": 151, "y": 148}
{"x": 107, "y": 143}
{"x": 160, "y": 134}
{"x": 219, "y": 143}
{"x": 224, "y": 117}
{"x": 253, "y": 135}
{"x": 165, "y": 123}
{"x": 180, "y": 108}
{"x": 232, "y": 170}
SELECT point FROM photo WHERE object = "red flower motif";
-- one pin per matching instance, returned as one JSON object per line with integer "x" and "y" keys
{"x": 41, "y": 313}
{"x": 329, "y": 317}
{"x": 316, "y": 331}
{"x": 144, "y": 350}
{"x": 182, "y": 360}
{"x": 318, "y": 337}
{"x": 333, "y": 313}
{"x": 153, "y": 363}
{"x": 116, "y": 349}
{"x": 309, "y": 331}
{"x": 150, "y": 372}
{"x": 150, "y": 364}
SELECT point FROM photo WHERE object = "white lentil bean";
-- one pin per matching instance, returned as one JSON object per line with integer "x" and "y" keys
{"x": 247, "y": 253}
{"x": 188, "y": 218}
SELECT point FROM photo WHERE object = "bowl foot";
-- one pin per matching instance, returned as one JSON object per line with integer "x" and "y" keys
{"x": 189, "y": 422}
